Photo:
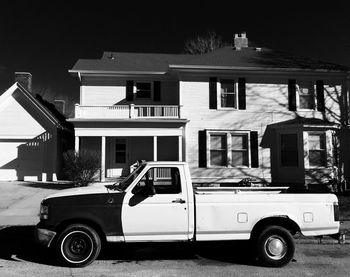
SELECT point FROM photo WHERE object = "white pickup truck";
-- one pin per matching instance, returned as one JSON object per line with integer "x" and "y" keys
{"x": 157, "y": 203}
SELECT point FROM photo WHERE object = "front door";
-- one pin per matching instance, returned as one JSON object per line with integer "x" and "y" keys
{"x": 161, "y": 215}
{"x": 119, "y": 158}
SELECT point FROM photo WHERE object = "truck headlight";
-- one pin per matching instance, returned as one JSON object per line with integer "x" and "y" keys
{"x": 44, "y": 211}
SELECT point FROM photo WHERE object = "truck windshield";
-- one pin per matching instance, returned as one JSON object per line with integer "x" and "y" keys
{"x": 130, "y": 178}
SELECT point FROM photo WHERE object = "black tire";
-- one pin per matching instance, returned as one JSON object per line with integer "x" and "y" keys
{"x": 78, "y": 245}
{"x": 275, "y": 246}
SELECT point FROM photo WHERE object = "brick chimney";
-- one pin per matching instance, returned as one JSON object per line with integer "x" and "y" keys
{"x": 25, "y": 79}
{"x": 240, "y": 41}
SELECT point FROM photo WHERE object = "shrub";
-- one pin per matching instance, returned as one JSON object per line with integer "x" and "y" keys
{"x": 81, "y": 167}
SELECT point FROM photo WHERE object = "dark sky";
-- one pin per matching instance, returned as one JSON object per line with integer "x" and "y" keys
{"x": 46, "y": 38}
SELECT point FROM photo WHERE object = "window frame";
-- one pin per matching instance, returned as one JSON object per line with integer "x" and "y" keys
{"x": 298, "y": 83}
{"x": 151, "y": 90}
{"x": 325, "y": 150}
{"x": 235, "y": 92}
{"x": 228, "y": 134}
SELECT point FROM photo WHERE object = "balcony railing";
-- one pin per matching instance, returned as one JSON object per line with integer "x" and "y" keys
{"x": 127, "y": 111}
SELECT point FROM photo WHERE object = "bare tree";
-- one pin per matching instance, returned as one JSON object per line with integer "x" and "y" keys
{"x": 204, "y": 44}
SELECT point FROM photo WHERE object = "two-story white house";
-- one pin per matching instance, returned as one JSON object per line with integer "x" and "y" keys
{"x": 233, "y": 113}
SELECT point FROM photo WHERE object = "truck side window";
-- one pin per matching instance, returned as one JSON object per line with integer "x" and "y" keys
{"x": 166, "y": 180}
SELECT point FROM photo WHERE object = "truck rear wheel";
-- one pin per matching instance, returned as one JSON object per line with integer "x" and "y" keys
{"x": 275, "y": 246}
{"x": 78, "y": 245}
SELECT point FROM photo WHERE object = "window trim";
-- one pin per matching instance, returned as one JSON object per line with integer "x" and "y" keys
{"x": 307, "y": 149}
{"x": 228, "y": 133}
{"x": 143, "y": 98}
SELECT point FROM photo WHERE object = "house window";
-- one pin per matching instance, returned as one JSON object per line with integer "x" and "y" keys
{"x": 144, "y": 90}
{"x": 239, "y": 150}
{"x": 228, "y": 94}
{"x": 218, "y": 150}
{"x": 120, "y": 151}
{"x": 228, "y": 149}
{"x": 306, "y": 94}
{"x": 317, "y": 149}
{"x": 289, "y": 150}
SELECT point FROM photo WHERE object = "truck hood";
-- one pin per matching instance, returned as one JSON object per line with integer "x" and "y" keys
{"x": 100, "y": 189}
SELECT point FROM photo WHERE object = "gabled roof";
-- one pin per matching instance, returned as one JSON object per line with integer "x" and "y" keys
{"x": 16, "y": 87}
{"x": 248, "y": 58}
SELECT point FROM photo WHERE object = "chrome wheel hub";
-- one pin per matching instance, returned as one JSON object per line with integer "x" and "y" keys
{"x": 275, "y": 247}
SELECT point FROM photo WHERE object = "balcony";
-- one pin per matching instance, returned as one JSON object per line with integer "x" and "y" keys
{"x": 127, "y": 111}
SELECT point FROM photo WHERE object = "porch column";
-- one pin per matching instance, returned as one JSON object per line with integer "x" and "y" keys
{"x": 76, "y": 144}
{"x": 155, "y": 149}
{"x": 180, "y": 148}
{"x": 103, "y": 159}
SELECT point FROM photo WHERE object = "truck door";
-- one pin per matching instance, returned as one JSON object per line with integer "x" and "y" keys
{"x": 156, "y": 207}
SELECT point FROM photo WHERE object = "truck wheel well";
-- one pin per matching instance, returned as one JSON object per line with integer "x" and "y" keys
{"x": 282, "y": 221}
{"x": 60, "y": 227}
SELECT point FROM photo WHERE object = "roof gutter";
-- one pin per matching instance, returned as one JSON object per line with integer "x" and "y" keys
{"x": 256, "y": 68}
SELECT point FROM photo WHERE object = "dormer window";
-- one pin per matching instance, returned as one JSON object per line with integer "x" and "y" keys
{"x": 144, "y": 90}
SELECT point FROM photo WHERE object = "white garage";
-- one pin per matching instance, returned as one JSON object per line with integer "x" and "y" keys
{"x": 28, "y": 137}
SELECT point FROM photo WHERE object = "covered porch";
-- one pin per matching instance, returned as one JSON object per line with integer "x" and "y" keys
{"x": 120, "y": 144}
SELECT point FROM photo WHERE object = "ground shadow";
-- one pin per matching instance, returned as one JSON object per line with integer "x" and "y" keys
{"x": 18, "y": 243}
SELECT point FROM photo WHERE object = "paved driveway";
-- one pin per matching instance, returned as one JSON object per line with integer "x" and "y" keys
{"x": 20, "y": 201}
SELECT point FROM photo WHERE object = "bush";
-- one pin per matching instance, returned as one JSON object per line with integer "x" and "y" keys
{"x": 81, "y": 167}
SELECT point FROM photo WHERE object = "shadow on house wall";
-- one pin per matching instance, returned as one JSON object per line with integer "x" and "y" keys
{"x": 35, "y": 158}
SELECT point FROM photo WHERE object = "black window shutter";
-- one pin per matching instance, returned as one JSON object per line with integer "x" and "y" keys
{"x": 129, "y": 91}
{"x": 156, "y": 91}
{"x": 212, "y": 93}
{"x": 254, "y": 149}
{"x": 241, "y": 94}
{"x": 202, "y": 148}
{"x": 292, "y": 100}
{"x": 320, "y": 96}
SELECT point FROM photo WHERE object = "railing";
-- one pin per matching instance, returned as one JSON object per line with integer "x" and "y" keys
{"x": 127, "y": 111}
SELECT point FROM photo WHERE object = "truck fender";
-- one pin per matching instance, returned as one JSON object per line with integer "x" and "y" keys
{"x": 277, "y": 220}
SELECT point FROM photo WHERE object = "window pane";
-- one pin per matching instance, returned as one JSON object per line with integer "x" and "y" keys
{"x": 165, "y": 180}
{"x": 317, "y": 141}
{"x": 218, "y": 142}
{"x": 227, "y": 86}
{"x": 228, "y": 94}
{"x": 218, "y": 157}
{"x": 317, "y": 158}
{"x": 228, "y": 100}
{"x": 306, "y": 95}
{"x": 239, "y": 158}
{"x": 143, "y": 90}
{"x": 239, "y": 142}
{"x": 120, "y": 157}
{"x": 289, "y": 150}
{"x": 306, "y": 102}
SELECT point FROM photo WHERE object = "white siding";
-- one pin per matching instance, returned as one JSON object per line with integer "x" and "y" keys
{"x": 108, "y": 92}
{"x": 266, "y": 103}
{"x": 15, "y": 121}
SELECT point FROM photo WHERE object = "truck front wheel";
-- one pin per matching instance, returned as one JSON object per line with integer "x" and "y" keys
{"x": 275, "y": 246}
{"x": 78, "y": 245}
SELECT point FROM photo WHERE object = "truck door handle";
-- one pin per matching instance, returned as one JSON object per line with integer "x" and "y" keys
{"x": 178, "y": 200}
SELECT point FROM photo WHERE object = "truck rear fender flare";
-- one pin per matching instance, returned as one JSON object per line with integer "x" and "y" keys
{"x": 280, "y": 220}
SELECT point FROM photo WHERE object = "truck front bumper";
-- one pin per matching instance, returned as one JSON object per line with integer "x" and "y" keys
{"x": 44, "y": 236}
